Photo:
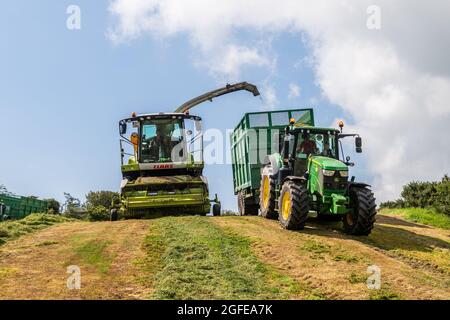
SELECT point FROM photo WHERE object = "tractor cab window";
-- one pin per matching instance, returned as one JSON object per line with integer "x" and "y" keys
{"x": 161, "y": 140}
{"x": 325, "y": 145}
{"x": 321, "y": 144}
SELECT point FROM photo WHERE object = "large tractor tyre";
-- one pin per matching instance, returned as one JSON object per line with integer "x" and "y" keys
{"x": 293, "y": 206}
{"x": 246, "y": 209}
{"x": 216, "y": 209}
{"x": 114, "y": 215}
{"x": 268, "y": 197}
{"x": 360, "y": 220}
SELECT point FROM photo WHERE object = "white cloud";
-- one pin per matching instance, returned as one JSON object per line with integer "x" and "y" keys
{"x": 294, "y": 90}
{"x": 269, "y": 96}
{"x": 394, "y": 82}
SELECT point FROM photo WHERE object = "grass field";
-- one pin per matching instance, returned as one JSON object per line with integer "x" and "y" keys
{"x": 13, "y": 229}
{"x": 224, "y": 258}
{"x": 425, "y": 216}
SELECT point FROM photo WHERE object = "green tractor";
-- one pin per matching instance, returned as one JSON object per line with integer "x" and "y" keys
{"x": 308, "y": 175}
{"x": 162, "y": 162}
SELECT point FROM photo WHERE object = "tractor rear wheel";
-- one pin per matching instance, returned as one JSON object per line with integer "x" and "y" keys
{"x": 268, "y": 197}
{"x": 246, "y": 209}
{"x": 293, "y": 206}
{"x": 360, "y": 220}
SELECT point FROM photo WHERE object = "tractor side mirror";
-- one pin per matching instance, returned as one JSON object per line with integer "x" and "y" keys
{"x": 122, "y": 128}
{"x": 358, "y": 144}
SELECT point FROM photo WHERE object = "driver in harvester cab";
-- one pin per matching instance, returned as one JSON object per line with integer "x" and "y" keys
{"x": 307, "y": 146}
{"x": 160, "y": 145}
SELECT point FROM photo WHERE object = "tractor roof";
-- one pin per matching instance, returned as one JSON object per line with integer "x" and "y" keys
{"x": 315, "y": 129}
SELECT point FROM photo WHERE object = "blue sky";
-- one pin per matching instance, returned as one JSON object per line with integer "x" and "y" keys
{"x": 63, "y": 93}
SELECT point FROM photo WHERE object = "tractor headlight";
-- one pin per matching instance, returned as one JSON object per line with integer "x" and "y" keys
{"x": 344, "y": 173}
{"x": 328, "y": 173}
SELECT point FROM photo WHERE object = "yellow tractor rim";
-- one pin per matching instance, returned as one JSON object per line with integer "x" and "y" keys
{"x": 286, "y": 205}
{"x": 266, "y": 192}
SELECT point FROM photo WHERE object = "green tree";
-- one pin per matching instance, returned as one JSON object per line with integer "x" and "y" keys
{"x": 71, "y": 202}
{"x": 53, "y": 205}
{"x": 101, "y": 198}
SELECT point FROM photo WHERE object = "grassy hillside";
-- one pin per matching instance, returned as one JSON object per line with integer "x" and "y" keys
{"x": 14, "y": 229}
{"x": 419, "y": 215}
{"x": 231, "y": 257}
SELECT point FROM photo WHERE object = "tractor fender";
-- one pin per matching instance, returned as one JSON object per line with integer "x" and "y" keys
{"x": 296, "y": 179}
{"x": 271, "y": 162}
{"x": 356, "y": 184}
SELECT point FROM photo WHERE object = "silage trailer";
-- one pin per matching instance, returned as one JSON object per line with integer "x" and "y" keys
{"x": 17, "y": 207}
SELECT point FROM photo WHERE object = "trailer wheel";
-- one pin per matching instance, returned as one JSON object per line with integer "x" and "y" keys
{"x": 114, "y": 215}
{"x": 268, "y": 197}
{"x": 360, "y": 220}
{"x": 293, "y": 206}
{"x": 246, "y": 209}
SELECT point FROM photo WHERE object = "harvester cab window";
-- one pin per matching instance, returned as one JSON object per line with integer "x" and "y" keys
{"x": 160, "y": 137}
{"x": 194, "y": 140}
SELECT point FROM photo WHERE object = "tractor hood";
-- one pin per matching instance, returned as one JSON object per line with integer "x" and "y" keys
{"x": 329, "y": 163}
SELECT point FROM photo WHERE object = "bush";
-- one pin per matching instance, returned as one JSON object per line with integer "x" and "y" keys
{"x": 424, "y": 195}
{"x": 98, "y": 213}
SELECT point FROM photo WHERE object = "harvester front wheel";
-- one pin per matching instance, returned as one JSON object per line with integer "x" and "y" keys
{"x": 293, "y": 206}
{"x": 267, "y": 197}
{"x": 114, "y": 215}
{"x": 360, "y": 220}
{"x": 216, "y": 209}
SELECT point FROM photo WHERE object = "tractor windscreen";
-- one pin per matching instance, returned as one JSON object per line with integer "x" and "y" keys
{"x": 162, "y": 140}
{"x": 320, "y": 144}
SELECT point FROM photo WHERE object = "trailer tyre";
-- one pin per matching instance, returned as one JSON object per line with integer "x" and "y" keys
{"x": 268, "y": 197}
{"x": 245, "y": 208}
{"x": 293, "y": 206}
{"x": 360, "y": 220}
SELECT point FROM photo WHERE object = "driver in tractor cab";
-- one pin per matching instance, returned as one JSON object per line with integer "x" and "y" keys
{"x": 326, "y": 152}
{"x": 307, "y": 146}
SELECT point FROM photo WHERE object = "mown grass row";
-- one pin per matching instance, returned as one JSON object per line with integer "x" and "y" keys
{"x": 13, "y": 229}
{"x": 190, "y": 258}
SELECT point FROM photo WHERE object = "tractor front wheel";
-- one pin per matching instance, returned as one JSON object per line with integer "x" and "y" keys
{"x": 360, "y": 220}
{"x": 293, "y": 206}
{"x": 267, "y": 197}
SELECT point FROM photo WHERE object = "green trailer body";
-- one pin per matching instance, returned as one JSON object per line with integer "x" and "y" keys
{"x": 259, "y": 134}
{"x": 18, "y": 207}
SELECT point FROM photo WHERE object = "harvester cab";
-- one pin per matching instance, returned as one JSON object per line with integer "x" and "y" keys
{"x": 162, "y": 161}
{"x": 310, "y": 174}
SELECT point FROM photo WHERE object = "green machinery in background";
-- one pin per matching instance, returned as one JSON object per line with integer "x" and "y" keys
{"x": 17, "y": 207}
{"x": 162, "y": 170}
{"x": 288, "y": 170}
